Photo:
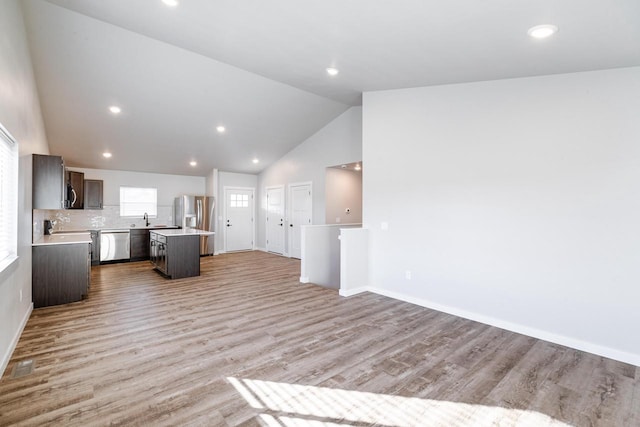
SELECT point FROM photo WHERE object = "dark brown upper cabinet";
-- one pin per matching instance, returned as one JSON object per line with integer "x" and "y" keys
{"x": 93, "y": 194}
{"x": 49, "y": 183}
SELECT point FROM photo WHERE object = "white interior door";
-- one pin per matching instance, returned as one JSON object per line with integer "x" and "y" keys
{"x": 300, "y": 214}
{"x": 238, "y": 221}
{"x": 275, "y": 219}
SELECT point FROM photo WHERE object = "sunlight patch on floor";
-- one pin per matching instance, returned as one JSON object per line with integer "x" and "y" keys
{"x": 293, "y": 405}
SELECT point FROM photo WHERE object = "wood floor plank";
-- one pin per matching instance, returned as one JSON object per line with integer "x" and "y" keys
{"x": 518, "y": 388}
{"x": 245, "y": 344}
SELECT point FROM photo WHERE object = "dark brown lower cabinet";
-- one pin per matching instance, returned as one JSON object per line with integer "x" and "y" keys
{"x": 95, "y": 247}
{"x": 138, "y": 244}
{"x": 60, "y": 273}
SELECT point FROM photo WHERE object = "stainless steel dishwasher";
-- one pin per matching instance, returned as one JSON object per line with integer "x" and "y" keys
{"x": 114, "y": 245}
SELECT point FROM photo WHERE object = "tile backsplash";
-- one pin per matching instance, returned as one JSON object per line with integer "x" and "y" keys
{"x": 79, "y": 219}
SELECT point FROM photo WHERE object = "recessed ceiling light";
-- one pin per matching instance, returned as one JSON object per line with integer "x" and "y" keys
{"x": 115, "y": 109}
{"x": 106, "y": 154}
{"x": 357, "y": 167}
{"x": 542, "y": 31}
{"x": 343, "y": 166}
{"x": 170, "y": 3}
{"x": 255, "y": 161}
{"x": 220, "y": 129}
{"x": 332, "y": 71}
{"x": 193, "y": 163}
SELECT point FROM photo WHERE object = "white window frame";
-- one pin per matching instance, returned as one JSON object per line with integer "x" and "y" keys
{"x": 127, "y": 207}
{"x": 8, "y": 199}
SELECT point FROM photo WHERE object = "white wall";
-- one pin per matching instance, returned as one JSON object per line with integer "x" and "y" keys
{"x": 338, "y": 142}
{"x": 231, "y": 179}
{"x": 516, "y": 202}
{"x": 354, "y": 261}
{"x": 212, "y": 190}
{"x": 343, "y": 190}
{"x": 20, "y": 114}
{"x": 320, "y": 250}
{"x": 211, "y": 183}
{"x": 169, "y": 186}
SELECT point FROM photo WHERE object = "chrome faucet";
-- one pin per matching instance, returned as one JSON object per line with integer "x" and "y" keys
{"x": 146, "y": 219}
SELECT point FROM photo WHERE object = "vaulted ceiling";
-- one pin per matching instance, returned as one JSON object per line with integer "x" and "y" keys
{"x": 259, "y": 67}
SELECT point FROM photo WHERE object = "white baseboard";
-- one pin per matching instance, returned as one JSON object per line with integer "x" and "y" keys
{"x": 577, "y": 344}
{"x": 274, "y": 253}
{"x": 304, "y": 279}
{"x": 351, "y": 292}
{"x": 14, "y": 342}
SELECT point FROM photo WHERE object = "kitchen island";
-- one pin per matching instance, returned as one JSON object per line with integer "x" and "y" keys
{"x": 139, "y": 241}
{"x": 176, "y": 253}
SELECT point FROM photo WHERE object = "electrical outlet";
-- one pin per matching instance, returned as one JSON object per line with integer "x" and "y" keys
{"x": 407, "y": 275}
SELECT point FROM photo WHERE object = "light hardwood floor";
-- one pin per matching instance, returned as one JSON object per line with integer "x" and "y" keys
{"x": 246, "y": 344}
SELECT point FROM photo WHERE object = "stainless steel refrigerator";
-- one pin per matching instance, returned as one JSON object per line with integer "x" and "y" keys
{"x": 196, "y": 212}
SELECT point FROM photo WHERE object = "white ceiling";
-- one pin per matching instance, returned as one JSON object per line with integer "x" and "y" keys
{"x": 258, "y": 67}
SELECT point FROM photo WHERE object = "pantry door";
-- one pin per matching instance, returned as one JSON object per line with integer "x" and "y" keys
{"x": 300, "y": 214}
{"x": 275, "y": 219}
{"x": 238, "y": 219}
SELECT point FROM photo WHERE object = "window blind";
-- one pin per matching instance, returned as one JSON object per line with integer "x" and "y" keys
{"x": 136, "y": 201}
{"x": 8, "y": 197}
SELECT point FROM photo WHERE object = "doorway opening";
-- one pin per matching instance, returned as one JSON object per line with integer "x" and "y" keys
{"x": 343, "y": 194}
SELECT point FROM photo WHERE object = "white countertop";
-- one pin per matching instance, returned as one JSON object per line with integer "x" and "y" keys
{"x": 69, "y": 237}
{"x": 183, "y": 232}
{"x": 155, "y": 227}
{"x": 83, "y": 230}
{"x": 64, "y": 239}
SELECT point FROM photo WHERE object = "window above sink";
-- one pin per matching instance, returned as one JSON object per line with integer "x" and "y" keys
{"x": 136, "y": 201}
